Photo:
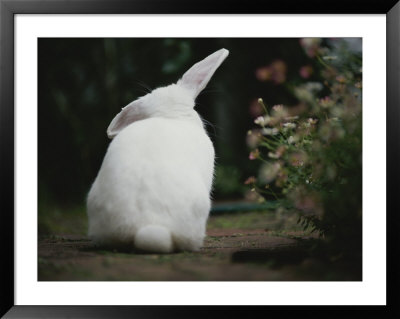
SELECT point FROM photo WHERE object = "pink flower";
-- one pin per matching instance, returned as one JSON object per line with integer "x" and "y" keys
{"x": 275, "y": 72}
{"x": 326, "y": 102}
{"x": 306, "y": 71}
{"x": 298, "y": 159}
{"x": 263, "y": 74}
{"x": 250, "y": 180}
{"x": 254, "y": 154}
{"x": 307, "y": 201}
{"x": 310, "y": 204}
{"x": 278, "y": 71}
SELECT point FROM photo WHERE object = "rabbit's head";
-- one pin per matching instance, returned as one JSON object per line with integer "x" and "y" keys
{"x": 173, "y": 101}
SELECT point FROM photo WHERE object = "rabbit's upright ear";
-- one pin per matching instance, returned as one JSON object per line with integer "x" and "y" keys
{"x": 129, "y": 114}
{"x": 197, "y": 77}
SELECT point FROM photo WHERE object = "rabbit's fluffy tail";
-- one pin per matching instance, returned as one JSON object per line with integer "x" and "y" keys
{"x": 154, "y": 238}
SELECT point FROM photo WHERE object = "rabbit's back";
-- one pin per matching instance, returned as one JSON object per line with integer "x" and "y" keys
{"x": 156, "y": 171}
{"x": 153, "y": 188}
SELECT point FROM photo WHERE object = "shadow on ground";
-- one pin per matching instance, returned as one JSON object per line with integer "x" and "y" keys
{"x": 252, "y": 246}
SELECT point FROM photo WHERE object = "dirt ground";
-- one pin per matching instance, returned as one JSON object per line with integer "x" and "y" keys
{"x": 252, "y": 246}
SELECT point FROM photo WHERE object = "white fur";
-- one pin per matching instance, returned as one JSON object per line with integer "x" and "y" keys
{"x": 154, "y": 238}
{"x": 153, "y": 188}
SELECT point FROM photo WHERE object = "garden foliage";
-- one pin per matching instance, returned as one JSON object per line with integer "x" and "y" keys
{"x": 310, "y": 154}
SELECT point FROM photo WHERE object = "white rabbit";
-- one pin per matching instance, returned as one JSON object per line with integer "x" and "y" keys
{"x": 153, "y": 188}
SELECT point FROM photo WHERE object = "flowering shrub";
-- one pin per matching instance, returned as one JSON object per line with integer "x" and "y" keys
{"x": 310, "y": 153}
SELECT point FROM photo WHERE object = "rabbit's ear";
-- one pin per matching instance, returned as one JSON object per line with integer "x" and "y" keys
{"x": 128, "y": 115}
{"x": 197, "y": 77}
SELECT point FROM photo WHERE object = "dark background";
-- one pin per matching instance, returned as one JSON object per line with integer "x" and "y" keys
{"x": 84, "y": 82}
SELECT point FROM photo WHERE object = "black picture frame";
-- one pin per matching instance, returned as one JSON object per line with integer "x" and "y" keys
{"x": 8, "y": 10}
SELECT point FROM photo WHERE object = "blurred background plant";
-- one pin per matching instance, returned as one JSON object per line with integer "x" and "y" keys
{"x": 310, "y": 152}
{"x": 84, "y": 82}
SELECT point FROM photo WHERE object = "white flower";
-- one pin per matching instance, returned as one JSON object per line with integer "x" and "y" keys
{"x": 312, "y": 121}
{"x": 292, "y": 139}
{"x": 269, "y": 171}
{"x": 289, "y": 125}
{"x": 259, "y": 120}
{"x": 262, "y": 120}
{"x": 303, "y": 94}
{"x": 279, "y": 111}
{"x": 313, "y": 86}
{"x": 270, "y": 131}
{"x": 278, "y": 108}
{"x": 273, "y": 155}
